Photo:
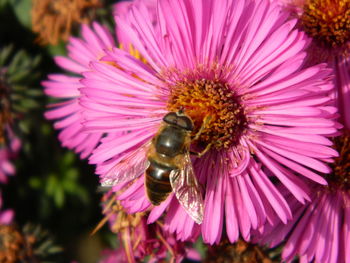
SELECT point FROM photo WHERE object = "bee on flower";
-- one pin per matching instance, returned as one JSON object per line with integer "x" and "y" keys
{"x": 239, "y": 62}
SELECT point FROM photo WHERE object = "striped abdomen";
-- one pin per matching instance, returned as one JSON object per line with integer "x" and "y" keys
{"x": 157, "y": 182}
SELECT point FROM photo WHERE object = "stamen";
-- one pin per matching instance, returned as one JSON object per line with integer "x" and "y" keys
{"x": 201, "y": 98}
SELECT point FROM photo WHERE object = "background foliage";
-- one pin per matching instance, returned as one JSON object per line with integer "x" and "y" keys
{"x": 52, "y": 187}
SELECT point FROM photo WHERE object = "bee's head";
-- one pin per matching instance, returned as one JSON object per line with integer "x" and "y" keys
{"x": 181, "y": 111}
{"x": 179, "y": 119}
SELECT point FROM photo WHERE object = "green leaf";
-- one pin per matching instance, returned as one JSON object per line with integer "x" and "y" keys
{"x": 59, "y": 197}
{"x": 72, "y": 175}
{"x": 2, "y": 4}
{"x": 15, "y": 62}
{"x": 35, "y": 182}
{"x": 28, "y": 104}
{"x": 200, "y": 247}
{"x": 82, "y": 194}
{"x": 24, "y": 127}
{"x": 22, "y": 10}
{"x": 57, "y": 50}
{"x": 20, "y": 74}
{"x": 51, "y": 184}
{"x": 68, "y": 159}
{"x": 4, "y": 54}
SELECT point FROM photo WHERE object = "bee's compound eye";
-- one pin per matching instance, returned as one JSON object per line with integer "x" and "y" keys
{"x": 185, "y": 123}
{"x": 170, "y": 118}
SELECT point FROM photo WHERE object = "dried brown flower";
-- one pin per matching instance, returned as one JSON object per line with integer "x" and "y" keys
{"x": 13, "y": 245}
{"x": 54, "y": 20}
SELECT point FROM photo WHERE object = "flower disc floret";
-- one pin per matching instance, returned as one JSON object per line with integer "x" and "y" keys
{"x": 210, "y": 98}
{"x": 327, "y": 21}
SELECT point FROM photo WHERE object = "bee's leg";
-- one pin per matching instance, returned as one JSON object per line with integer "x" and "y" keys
{"x": 200, "y": 154}
{"x": 205, "y": 123}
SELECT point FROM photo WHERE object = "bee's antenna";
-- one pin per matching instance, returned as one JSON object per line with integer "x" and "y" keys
{"x": 181, "y": 110}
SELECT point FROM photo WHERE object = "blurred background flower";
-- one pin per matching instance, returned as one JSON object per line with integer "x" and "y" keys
{"x": 66, "y": 88}
{"x": 48, "y": 197}
{"x": 327, "y": 23}
{"x": 29, "y": 244}
{"x": 55, "y": 20}
{"x": 320, "y": 230}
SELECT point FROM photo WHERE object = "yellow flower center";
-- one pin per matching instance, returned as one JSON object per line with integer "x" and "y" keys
{"x": 327, "y": 21}
{"x": 202, "y": 98}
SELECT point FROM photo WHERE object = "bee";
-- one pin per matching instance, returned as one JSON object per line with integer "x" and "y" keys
{"x": 165, "y": 160}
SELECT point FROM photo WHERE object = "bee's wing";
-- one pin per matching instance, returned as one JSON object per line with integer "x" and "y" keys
{"x": 186, "y": 188}
{"x": 130, "y": 167}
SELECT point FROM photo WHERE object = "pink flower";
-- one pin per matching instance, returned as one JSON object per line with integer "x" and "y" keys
{"x": 327, "y": 24}
{"x": 319, "y": 231}
{"x": 341, "y": 66}
{"x": 113, "y": 256}
{"x": 6, "y": 216}
{"x": 123, "y": 7}
{"x": 7, "y": 153}
{"x": 65, "y": 87}
{"x": 238, "y": 62}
